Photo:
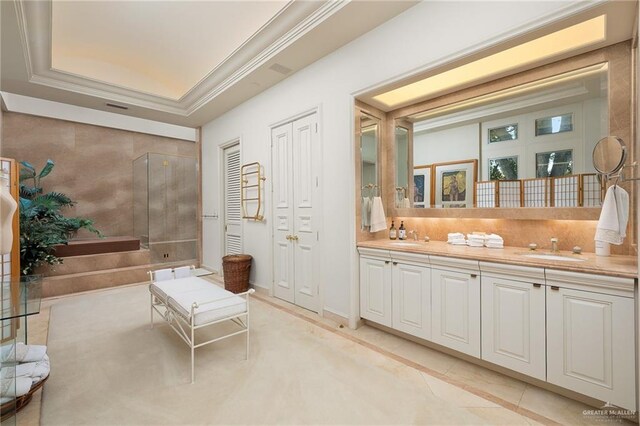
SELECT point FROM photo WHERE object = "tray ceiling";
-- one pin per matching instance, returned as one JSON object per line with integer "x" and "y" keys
{"x": 180, "y": 62}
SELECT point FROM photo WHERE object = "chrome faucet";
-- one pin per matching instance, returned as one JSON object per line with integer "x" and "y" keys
{"x": 415, "y": 235}
{"x": 554, "y": 245}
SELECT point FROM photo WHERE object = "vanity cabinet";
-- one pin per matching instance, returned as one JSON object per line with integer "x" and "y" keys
{"x": 513, "y": 318}
{"x": 411, "y": 294}
{"x": 590, "y": 336}
{"x": 395, "y": 291}
{"x": 375, "y": 286}
{"x": 456, "y": 304}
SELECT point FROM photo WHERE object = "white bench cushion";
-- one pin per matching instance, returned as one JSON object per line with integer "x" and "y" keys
{"x": 180, "y": 285}
{"x": 180, "y": 294}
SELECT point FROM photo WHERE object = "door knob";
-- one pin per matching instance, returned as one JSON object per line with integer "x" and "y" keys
{"x": 289, "y": 237}
{"x": 294, "y": 238}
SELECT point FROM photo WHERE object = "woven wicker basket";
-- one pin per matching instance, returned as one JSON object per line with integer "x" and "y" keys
{"x": 236, "y": 269}
{"x": 9, "y": 408}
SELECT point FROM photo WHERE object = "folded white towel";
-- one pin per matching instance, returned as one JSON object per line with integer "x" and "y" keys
{"x": 23, "y": 353}
{"x": 24, "y": 369}
{"x": 163, "y": 274}
{"x": 612, "y": 226}
{"x": 378, "y": 219}
{"x": 41, "y": 370}
{"x": 494, "y": 237}
{"x": 15, "y": 387}
{"x": 365, "y": 212}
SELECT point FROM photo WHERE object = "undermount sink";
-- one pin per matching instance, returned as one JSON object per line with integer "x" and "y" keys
{"x": 551, "y": 256}
{"x": 404, "y": 244}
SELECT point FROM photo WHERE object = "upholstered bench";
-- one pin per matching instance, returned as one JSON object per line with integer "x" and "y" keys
{"x": 190, "y": 303}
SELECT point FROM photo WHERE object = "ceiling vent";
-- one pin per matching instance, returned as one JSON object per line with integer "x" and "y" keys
{"x": 280, "y": 68}
{"x": 117, "y": 106}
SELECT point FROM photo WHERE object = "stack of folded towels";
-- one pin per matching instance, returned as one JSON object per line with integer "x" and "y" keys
{"x": 494, "y": 241}
{"x": 22, "y": 367}
{"x": 476, "y": 240}
{"x": 456, "y": 238}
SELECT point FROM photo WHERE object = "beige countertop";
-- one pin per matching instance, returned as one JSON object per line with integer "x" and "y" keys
{"x": 616, "y": 266}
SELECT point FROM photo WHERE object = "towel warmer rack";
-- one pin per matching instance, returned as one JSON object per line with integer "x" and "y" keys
{"x": 251, "y": 189}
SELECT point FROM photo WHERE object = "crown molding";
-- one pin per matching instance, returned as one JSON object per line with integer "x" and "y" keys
{"x": 294, "y": 21}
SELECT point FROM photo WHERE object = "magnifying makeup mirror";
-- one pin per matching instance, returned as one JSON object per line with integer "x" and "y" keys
{"x": 609, "y": 155}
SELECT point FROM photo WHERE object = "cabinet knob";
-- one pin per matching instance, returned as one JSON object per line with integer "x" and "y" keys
{"x": 395, "y": 263}
{"x": 536, "y": 285}
{"x": 555, "y": 288}
{"x": 387, "y": 262}
{"x": 474, "y": 275}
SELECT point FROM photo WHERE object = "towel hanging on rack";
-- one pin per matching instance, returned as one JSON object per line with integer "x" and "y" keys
{"x": 612, "y": 226}
{"x": 378, "y": 219}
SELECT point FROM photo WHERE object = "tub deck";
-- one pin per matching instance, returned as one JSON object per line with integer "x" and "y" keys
{"x": 98, "y": 246}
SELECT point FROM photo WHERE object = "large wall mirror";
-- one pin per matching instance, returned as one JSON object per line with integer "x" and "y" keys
{"x": 525, "y": 144}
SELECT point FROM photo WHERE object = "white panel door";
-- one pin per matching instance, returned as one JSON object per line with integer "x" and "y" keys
{"x": 306, "y": 211}
{"x": 411, "y": 296}
{"x": 590, "y": 341}
{"x": 232, "y": 210}
{"x": 456, "y": 310}
{"x": 283, "y": 245}
{"x": 513, "y": 325}
{"x": 375, "y": 290}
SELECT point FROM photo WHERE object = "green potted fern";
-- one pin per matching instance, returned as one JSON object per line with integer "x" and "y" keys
{"x": 42, "y": 223}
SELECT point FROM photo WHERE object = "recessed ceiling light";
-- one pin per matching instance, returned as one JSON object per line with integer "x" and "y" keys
{"x": 571, "y": 38}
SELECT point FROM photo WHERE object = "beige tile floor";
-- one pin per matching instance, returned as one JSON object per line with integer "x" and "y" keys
{"x": 303, "y": 369}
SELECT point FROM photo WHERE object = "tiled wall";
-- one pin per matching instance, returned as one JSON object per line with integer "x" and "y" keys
{"x": 94, "y": 165}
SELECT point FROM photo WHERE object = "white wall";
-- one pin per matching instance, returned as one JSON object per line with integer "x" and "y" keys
{"x": 420, "y": 38}
{"x": 452, "y": 144}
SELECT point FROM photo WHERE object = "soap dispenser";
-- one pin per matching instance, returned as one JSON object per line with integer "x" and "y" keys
{"x": 402, "y": 232}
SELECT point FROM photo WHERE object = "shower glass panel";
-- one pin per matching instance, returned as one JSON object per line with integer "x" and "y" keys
{"x": 165, "y": 206}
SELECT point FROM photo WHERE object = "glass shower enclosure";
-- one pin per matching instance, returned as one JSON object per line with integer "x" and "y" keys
{"x": 165, "y": 204}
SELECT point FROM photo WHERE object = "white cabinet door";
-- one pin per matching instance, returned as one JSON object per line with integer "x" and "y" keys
{"x": 513, "y": 325}
{"x": 411, "y": 297}
{"x": 456, "y": 310}
{"x": 590, "y": 341}
{"x": 375, "y": 290}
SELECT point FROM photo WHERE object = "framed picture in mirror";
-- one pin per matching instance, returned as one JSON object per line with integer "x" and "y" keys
{"x": 422, "y": 186}
{"x": 453, "y": 184}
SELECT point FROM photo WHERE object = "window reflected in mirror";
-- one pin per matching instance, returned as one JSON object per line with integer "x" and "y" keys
{"x": 556, "y": 163}
{"x": 503, "y": 133}
{"x": 552, "y": 125}
{"x": 503, "y": 168}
